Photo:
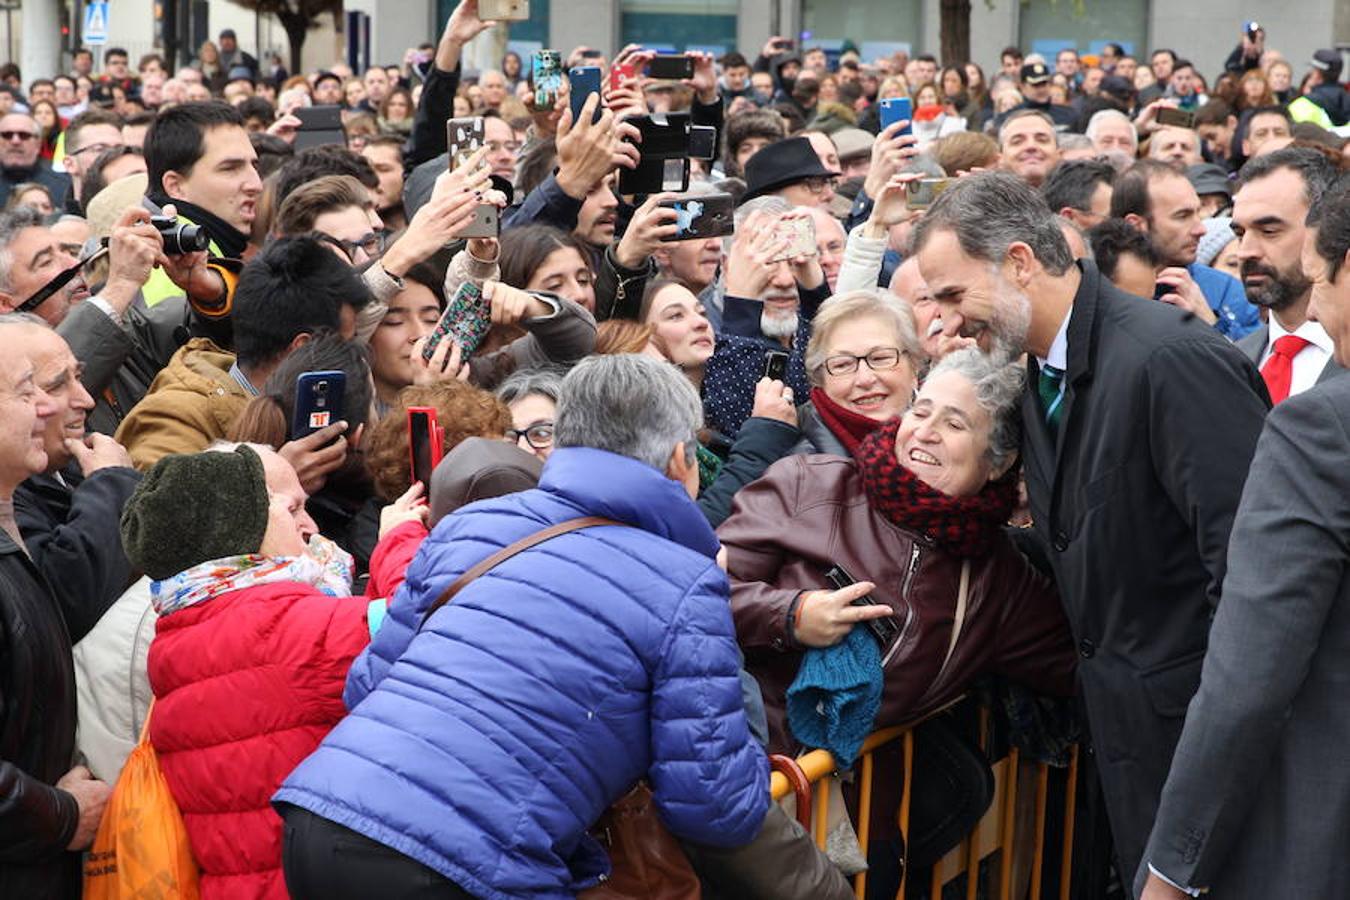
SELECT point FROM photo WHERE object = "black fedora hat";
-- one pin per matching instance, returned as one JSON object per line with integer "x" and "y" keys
{"x": 781, "y": 164}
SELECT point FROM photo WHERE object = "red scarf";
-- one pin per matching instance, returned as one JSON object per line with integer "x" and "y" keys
{"x": 850, "y": 427}
{"x": 961, "y": 526}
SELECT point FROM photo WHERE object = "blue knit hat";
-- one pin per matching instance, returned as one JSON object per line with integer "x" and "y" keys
{"x": 836, "y": 694}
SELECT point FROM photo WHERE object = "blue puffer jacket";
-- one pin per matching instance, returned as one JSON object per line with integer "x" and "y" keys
{"x": 485, "y": 745}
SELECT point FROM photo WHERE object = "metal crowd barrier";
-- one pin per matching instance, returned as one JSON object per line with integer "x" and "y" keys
{"x": 995, "y": 833}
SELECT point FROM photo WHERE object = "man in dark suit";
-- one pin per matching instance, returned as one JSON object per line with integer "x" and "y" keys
{"x": 1140, "y": 424}
{"x": 1257, "y": 804}
{"x": 1276, "y": 192}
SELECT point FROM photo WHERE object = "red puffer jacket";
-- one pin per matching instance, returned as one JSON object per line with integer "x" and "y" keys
{"x": 246, "y": 685}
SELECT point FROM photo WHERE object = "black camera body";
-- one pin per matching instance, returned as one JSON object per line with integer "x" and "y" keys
{"x": 180, "y": 237}
{"x": 669, "y": 141}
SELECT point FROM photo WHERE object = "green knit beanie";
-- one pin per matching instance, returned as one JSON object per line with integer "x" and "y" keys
{"x": 192, "y": 508}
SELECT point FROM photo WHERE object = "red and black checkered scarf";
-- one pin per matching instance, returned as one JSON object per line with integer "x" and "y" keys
{"x": 961, "y": 526}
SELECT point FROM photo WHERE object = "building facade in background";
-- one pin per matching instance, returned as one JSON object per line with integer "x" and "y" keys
{"x": 381, "y": 30}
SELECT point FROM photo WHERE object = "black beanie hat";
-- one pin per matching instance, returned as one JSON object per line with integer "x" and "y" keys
{"x": 192, "y": 508}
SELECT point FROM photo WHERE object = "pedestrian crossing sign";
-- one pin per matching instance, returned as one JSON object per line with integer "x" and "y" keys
{"x": 96, "y": 22}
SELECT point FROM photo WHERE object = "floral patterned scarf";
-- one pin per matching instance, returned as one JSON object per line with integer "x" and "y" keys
{"x": 323, "y": 565}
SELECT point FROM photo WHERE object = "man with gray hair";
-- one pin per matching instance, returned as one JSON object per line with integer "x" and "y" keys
{"x": 768, "y": 301}
{"x": 48, "y": 810}
{"x": 120, "y": 345}
{"x": 1138, "y": 433}
{"x": 1114, "y": 136}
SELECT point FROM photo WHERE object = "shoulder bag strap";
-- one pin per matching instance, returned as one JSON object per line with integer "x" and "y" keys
{"x": 507, "y": 552}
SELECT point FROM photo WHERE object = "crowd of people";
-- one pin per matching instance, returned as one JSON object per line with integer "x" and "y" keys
{"x": 1033, "y": 390}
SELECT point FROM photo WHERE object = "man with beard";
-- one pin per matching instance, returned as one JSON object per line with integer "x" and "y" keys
{"x": 385, "y": 155}
{"x": 20, "y": 142}
{"x": 1277, "y": 190}
{"x": 768, "y": 303}
{"x": 1140, "y": 425}
{"x": 1162, "y": 203}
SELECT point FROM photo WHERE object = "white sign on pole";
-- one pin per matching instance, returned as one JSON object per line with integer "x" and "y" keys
{"x": 96, "y": 22}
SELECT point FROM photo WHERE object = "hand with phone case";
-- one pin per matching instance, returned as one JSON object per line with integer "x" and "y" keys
{"x": 466, "y": 321}
{"x": 825, "y": 617}
{"x": 653, "y": 223}
{"x": 318, "y": 455}
{"x": 892, "y": 151}
{"x": 441, "y": 220}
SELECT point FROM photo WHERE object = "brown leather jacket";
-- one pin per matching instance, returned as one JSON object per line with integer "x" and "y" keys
{"x": 809, "y": 513}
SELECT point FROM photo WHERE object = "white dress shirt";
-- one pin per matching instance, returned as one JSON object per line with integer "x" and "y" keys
{"x": 1310, "y": 361}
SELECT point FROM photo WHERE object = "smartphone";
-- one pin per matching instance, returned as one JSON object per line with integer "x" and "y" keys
{"x": 318, "y": 401}
{"x": 546, "y": 66}
{"x": 884, "y": 630}
{"x": 671, "y": 67}
{"x": 585, "y": 81}
{"x": 1251, "y": 28}
{"x": 775, "y": 365}
{"x": 424, "y": 444}
{"x": 503, "y": 10}
{"x": 620, "y": 73}
{"x": 319, "y": 125}
{"x": 1178, "y": 118}
{"x": 921, "y": 194}
{"x": 702, "y": 142}
{"x": 800, "y": 235}
{"x": 894, "y": 109}
{"x": 467, "y": 320}
{"x": 463, "y": 138}
{"x": 698, "y": 218}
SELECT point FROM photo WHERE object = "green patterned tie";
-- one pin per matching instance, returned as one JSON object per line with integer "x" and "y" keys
{"x": 1051, "y": 389}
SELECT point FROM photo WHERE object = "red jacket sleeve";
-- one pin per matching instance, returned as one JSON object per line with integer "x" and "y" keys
{"x": 391, "y": 558}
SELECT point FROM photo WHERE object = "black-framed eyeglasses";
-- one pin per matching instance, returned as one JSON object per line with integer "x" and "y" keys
{"x": 372, "y": 243}
{"x": 538, "y": 435}
{"x": 18, "y": 135}
{"x": 817, "y": 184}
{"x": 878, "y": 360}
{"x": 91, "y": 148}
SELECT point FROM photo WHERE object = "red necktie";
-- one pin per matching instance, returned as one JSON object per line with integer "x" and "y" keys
{"x": 1279, "y": 368}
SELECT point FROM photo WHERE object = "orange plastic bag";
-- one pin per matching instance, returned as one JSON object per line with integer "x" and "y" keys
{"x": 141, "y": 850}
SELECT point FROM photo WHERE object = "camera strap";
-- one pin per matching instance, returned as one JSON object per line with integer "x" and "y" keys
{"x": 59, "y": 281}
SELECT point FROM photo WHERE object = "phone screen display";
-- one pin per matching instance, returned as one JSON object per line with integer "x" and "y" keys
{"x": 420, "y": 444}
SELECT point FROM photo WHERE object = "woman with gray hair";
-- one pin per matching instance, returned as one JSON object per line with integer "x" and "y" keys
{"x": 916, "y": 516}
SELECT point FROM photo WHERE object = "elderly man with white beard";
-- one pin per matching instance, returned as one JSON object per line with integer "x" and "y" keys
{"x": 767, "y": 305}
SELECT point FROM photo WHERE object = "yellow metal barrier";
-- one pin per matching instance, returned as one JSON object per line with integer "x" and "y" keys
{"x": 996, "y": 832}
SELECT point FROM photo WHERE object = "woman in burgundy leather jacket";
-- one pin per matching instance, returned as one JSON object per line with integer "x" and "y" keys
{"x": 919, "y": 509}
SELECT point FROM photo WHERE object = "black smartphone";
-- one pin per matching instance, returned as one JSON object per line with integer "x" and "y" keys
{"x": 884, "y": 630}
{"x": 318, "y": 401}
{"x": 671, "y": 67}
{"x": 585, "y": 80}
{"x": 698, "y": 218}
{"x": 775, "y": 365}
{"x": 1177, "y": 118}
{"x": 319, "y": 125}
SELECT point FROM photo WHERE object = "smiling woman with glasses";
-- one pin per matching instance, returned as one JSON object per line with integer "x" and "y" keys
{"x": 862, "y": 370}
{"x": 532, "y": 397}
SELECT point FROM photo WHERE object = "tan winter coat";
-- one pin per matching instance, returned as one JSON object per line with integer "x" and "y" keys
{"x": 191, "y": 403}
